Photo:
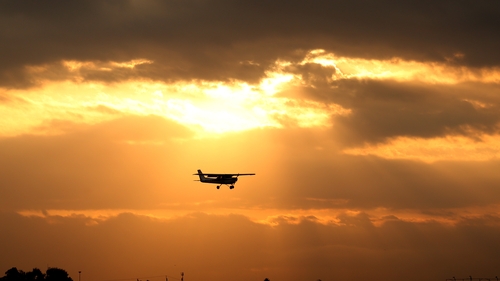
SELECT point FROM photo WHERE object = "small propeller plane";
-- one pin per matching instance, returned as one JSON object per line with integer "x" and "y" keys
{"x": 220, "y": 179}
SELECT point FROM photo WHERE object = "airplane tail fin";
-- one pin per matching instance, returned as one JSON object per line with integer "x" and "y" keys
{"x": 201, "y": 175}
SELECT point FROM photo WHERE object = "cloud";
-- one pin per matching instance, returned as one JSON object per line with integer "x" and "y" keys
{"x": 451, "y": 148}
{"x": 131, "y": 246}
{"x": 380, "y": 109}
{"x": 210, "y": 39}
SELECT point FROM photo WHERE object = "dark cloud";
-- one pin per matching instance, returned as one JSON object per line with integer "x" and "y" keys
{"x": 211, "y": 39}
{"x": 383, "y": 109}
{"x": 389, "y": 109}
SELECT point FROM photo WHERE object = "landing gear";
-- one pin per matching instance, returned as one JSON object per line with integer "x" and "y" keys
{"x": 230, "y": 187}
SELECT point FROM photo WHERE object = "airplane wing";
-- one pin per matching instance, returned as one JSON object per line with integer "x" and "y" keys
{"x": 225, "y": 175}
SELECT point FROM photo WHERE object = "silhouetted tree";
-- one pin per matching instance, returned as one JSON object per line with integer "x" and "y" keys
{"x": 34, "y": 275}
{"x": 13, "y": 275}
{"x": 52, "y": 274}
{"x": 267, "y": 279}
{"x": 57, "y": 274}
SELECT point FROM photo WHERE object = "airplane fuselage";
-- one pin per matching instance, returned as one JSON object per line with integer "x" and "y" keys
{"x": 219, "y": 180}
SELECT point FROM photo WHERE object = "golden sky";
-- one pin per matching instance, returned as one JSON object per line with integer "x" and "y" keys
{"x": 373, "y": 129}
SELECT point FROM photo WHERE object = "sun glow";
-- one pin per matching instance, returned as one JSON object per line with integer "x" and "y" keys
{"x": 214, "y": 107}
{"x": 206, "y": 106}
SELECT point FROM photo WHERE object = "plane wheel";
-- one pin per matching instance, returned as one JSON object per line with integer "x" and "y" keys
{"x": 218, "y": 187}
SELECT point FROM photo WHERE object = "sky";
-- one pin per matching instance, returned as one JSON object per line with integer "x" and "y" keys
{"x": 373, "y": 128}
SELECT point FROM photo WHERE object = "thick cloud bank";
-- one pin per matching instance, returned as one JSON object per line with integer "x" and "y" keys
{"x": 232, "y": 247}
{"x": 220, "y": 40}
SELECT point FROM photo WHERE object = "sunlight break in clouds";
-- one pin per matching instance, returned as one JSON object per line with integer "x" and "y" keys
{"x": 76, "y": 66}
{"x": 478, "y": 147}
{"x": 401, "y": 70}
{"x": 213, "y": 106}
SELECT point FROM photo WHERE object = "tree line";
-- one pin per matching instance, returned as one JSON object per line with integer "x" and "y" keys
{"x": 51, "y": 274}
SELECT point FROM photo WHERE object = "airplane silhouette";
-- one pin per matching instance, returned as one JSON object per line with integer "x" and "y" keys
{"x": 220, "y": 179}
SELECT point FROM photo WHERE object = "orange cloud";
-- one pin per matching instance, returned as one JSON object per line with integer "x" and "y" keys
{"x": 401, "y": 70}
{"x": 483, "y": 147}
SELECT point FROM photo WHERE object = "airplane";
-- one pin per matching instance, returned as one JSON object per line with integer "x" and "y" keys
{"x": 220, "y": 179}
